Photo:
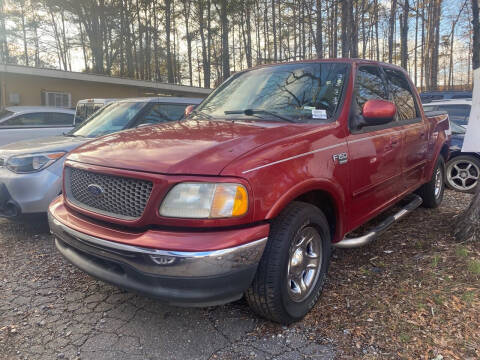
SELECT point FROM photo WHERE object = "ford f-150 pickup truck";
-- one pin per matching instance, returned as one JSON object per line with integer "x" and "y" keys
{"x": 248, "y": 194}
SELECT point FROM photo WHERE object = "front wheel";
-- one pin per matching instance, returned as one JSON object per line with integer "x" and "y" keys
{"x": 432, "y": 192}
{"x": 463, "y": 173}
{"x": 294, "y": 265}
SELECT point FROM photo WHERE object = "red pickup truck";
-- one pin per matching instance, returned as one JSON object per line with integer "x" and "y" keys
{"x": 248, "y": 194}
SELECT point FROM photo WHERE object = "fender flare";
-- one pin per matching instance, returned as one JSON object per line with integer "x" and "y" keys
{"x": 333, "y": 189}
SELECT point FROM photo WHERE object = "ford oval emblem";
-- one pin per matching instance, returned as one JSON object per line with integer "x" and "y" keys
{"x": 95, "y": 190}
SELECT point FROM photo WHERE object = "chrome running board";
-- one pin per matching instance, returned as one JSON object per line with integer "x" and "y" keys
{"x": 384, "y": 225}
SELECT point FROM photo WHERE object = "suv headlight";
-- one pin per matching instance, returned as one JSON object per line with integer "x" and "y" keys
{"x": 205, "y": 200}
{"x": 22, "y": 164}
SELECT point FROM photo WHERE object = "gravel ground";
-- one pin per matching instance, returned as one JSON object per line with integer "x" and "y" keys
{"x": 412, "y": 294}
{"x": 51, "y": 310}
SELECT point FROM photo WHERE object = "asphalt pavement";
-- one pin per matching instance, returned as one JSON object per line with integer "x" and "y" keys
{"x": 51, "y": 310}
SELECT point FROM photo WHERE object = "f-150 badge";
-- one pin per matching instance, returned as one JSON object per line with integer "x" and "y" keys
{"x": 341, "y": 158}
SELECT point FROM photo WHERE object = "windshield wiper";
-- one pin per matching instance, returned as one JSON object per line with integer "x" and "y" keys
{"x": 250, "y": 112}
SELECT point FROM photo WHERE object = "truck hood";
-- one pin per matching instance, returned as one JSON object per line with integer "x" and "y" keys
{"x": 197, "y": 147}
{"x": 47, "y": 144}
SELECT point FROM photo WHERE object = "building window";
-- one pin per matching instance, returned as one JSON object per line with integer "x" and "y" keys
{"x": 57, "y": 99}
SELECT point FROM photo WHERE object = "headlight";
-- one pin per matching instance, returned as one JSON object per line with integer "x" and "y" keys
{"x": 205, "y": 200}
{"x": 28, "y": 163}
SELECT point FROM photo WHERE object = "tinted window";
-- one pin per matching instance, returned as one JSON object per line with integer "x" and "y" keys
{"x": 60, "y": 119}
{"x": 401, "y": 95}
{"x": 293, "y": 91}
{"x": 457, "y": 113}
{"x": 160, "y": 113}
{"x": 31, "y": 119}
{"x": 369, "y": 85}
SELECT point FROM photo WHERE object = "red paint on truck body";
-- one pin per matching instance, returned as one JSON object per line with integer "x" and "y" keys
{"x": 276, "y": 161}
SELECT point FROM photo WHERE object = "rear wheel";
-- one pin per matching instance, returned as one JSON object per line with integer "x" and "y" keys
{"x": 294, "y": 265}
{"x": 432, "y": 192}
{"x": 463, "y": 173}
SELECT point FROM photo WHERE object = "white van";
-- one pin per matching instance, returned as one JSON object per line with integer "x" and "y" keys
{"x": 87, "y": 107}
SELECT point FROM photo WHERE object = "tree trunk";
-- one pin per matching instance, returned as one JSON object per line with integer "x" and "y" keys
{"x": 391, "y": 29}
{"x": 225, "y": 49}
{"x": 170, "y": 74}
{"x": 404, "y": 35}
{"x": 345, "y": 29}
{"x": 318, "y": 38}
{"x": 248, "y": 45}
{"x": 476, "y": 35}
{"x": 24, "y": 32}
{"x": 274, "y": 32}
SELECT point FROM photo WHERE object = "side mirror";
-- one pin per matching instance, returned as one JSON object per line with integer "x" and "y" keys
{"x": 378, "y": 112}
{"x": 188, "y": 110}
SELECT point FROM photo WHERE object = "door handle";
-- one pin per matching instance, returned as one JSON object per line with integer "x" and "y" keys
{"x": 394, "y": 142}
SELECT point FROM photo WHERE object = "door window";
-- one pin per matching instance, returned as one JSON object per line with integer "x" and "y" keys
{"x": 60, "y": 119}
{"x": 401, "y": 95}
{"x": 27, "y": 120}
{"x": 369, "y": 85}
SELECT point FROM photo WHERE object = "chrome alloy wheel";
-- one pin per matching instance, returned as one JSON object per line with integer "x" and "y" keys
{"x": 438, "y": 182}
{"x": 304, "y": 263}
{"x": 462, "y": 174}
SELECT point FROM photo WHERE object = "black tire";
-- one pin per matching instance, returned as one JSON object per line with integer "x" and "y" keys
{"x": 271, "y": 293}
{"x": 453, "y": 178}
{"x": 432, "y": 198}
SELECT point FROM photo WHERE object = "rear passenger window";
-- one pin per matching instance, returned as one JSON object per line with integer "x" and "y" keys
{"x": 369, "y": 85}
{"x": 401, "y": 95}
{"x": 60, "y": 119}
{"x": 27, "y": 120}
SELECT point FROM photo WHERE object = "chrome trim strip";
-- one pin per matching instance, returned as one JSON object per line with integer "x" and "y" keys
{"x": 325, "y": 148}
{"x": 143, "y": 250}
{"x": 162, "y": 262}
{"x": 293, "y": 157}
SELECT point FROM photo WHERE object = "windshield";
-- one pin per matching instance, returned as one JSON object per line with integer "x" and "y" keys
{"x": 111, "y": 118}
{"x": 4, "y": 114}
{"x": 292, "y": 92}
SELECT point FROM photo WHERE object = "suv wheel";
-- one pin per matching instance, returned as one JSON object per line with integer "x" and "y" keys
{"x": 432, "y": 192}
{"x": 294, "y": 265}
{"x": 463, "y": 172}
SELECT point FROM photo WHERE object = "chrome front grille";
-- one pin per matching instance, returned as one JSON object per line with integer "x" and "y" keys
{"x": 115, "y": 196}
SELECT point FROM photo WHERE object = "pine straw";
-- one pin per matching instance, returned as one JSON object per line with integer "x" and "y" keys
{"x": 412, "y": 294}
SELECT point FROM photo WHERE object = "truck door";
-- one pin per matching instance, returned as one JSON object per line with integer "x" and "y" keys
{"x": 414, "y": 152}
{"x": 374, "y": 152}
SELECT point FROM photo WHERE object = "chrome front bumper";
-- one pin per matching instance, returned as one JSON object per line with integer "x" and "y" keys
{"x": 164, "y": 262}
{"x": 176, "y": 277}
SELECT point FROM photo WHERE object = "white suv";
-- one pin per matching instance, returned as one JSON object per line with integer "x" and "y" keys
{"x": 29, "y": 122}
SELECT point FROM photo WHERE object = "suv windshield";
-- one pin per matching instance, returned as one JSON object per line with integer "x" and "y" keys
{"x": 291, "y": 92}
{"x": 111, "y": 118}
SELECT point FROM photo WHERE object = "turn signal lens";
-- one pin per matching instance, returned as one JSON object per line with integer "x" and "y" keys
{"x": 229, "y": 200}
